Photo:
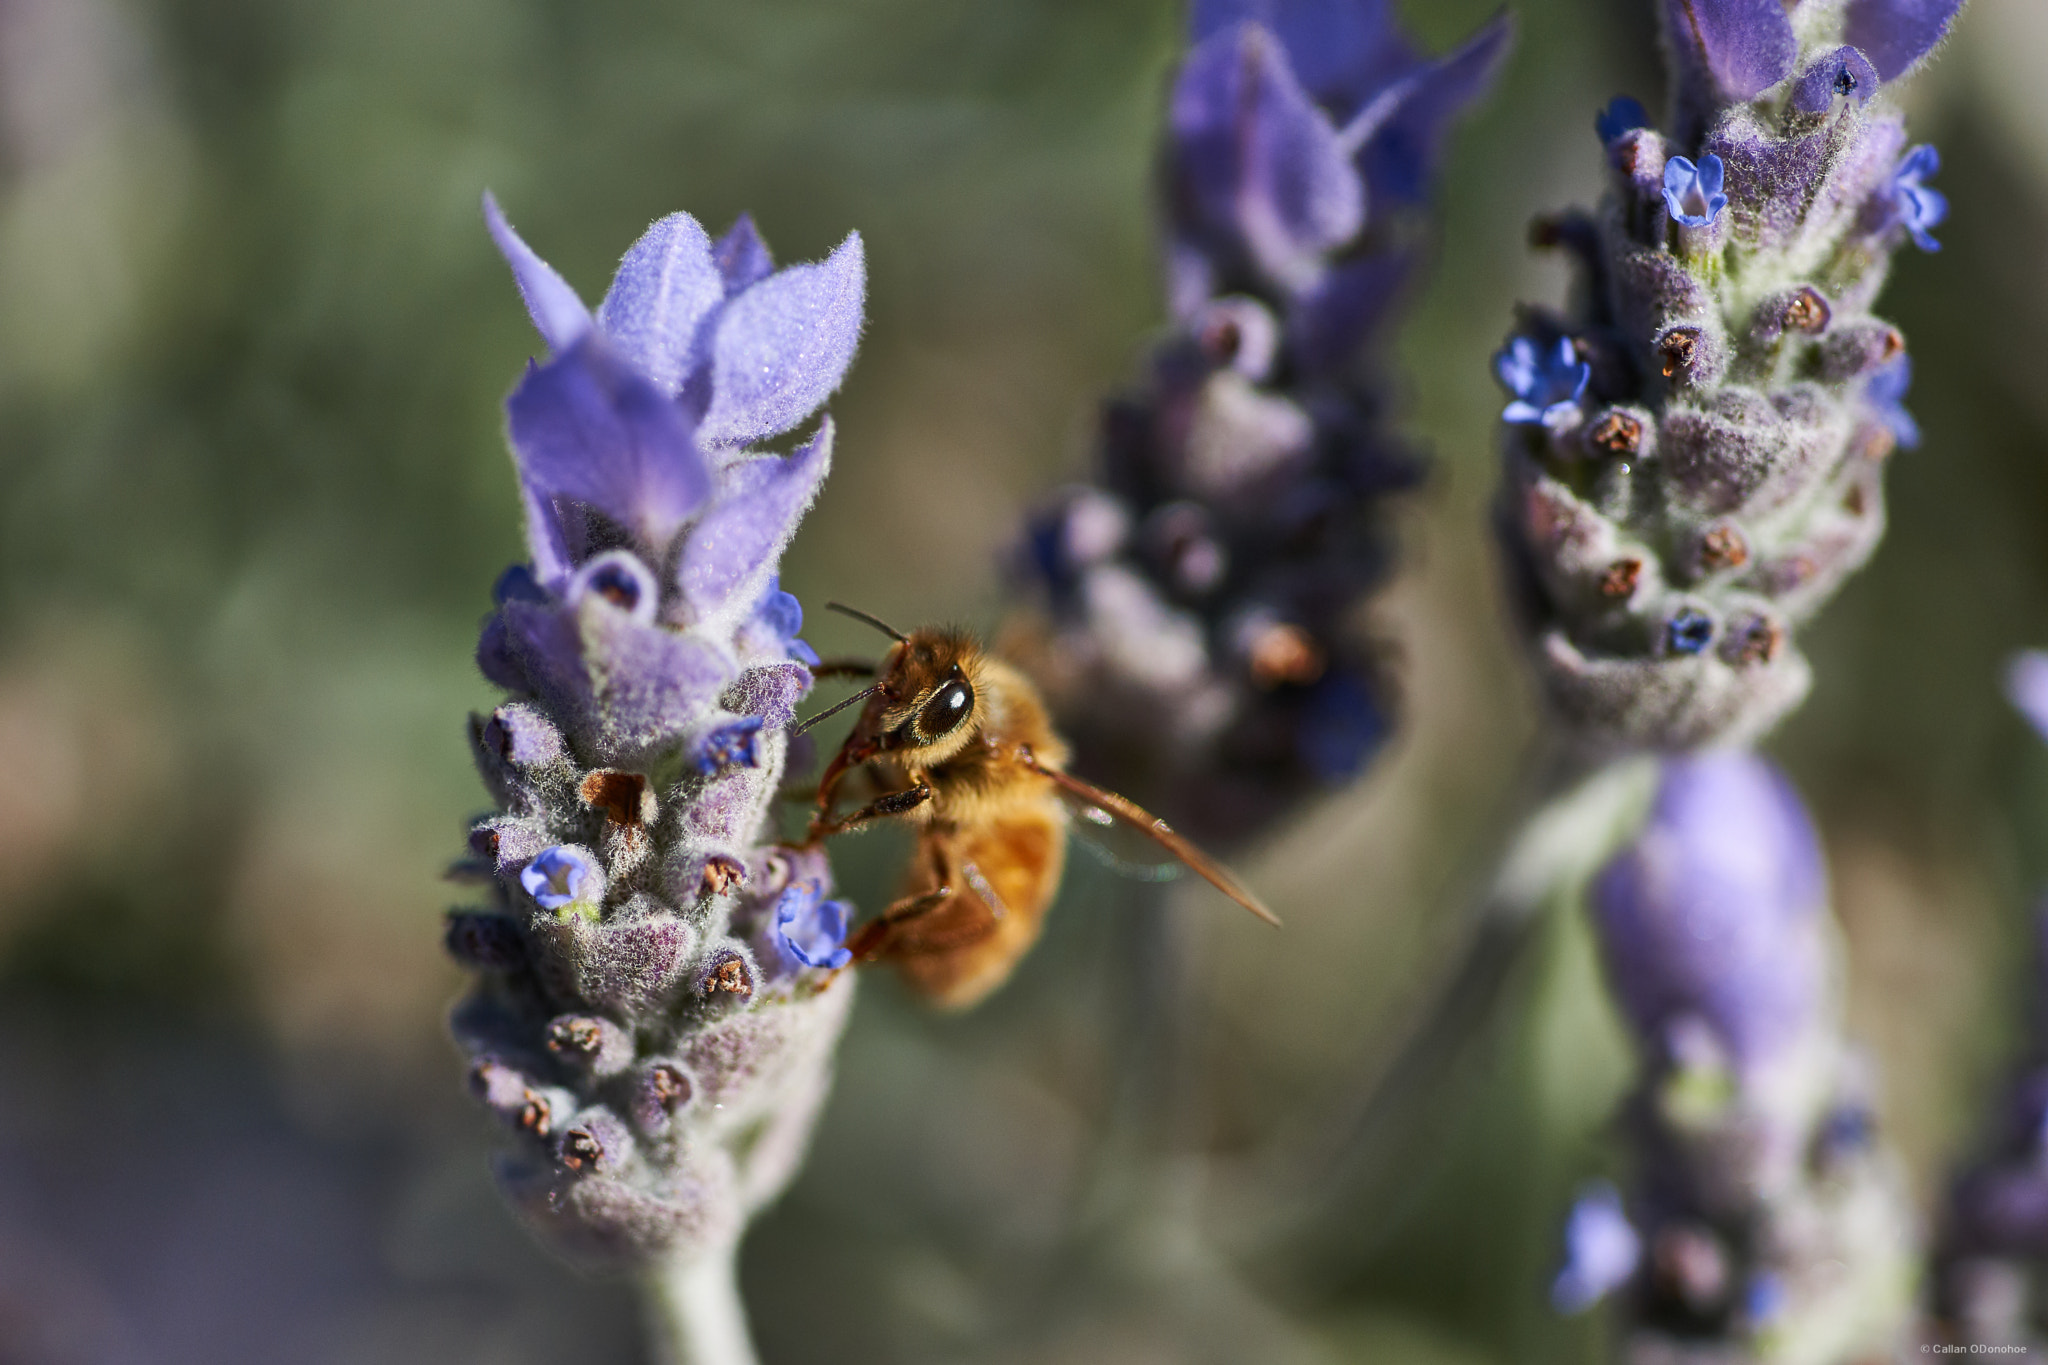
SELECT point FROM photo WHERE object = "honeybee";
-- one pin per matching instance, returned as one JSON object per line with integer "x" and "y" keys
{"x": 958, "y": 742}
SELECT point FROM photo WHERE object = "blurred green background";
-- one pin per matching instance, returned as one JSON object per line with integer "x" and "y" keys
{"x": 253, "y": 342}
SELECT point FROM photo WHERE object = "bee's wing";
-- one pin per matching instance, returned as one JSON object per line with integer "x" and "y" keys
{"x": 1130, "y": 812}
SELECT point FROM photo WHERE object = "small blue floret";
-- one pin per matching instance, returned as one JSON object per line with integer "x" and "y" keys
{"x": 732, "y": 745}
{"x": 1693, "y": 193}
{"x": 1885, "y": 390}
{"x": 812, "y": 930}
{"x": 1689, "y": 632}
{"x": 1547, "y": 383}
{"x": 1920, "y": 208}
{"x": 1622, "y": 115}
{"x": 561, "y": 876}
{"x": 1763, "y": 1298}
{"x": 1601, "y": 1250}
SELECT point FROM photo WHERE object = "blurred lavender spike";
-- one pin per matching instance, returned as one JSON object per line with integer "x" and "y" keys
{"x": 1774, "y": 1225}
{"x": 654, "y": 1011}
{"x": 1720, "y": 476}
{"x": 1991, "y": 1247}
{"x": 1198, "y": 631}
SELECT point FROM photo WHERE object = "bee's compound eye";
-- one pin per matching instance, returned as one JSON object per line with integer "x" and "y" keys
{"x": 946, "y": 710}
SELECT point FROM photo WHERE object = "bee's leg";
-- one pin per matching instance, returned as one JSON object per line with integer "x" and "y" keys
{"x": 881, "y": 935}
{"x": 875, "y": 938}
{"x": 888, "y": 804}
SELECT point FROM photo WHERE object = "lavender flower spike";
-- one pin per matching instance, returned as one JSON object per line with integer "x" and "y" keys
{"x": 650, "y": 1018}
{"x": 1197, "y": 626}
{"x": 1773, "y": 1226}
{"x": 1723, "y": 475}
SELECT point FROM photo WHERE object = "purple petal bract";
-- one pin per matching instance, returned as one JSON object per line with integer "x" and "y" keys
{"x": 1259, "y": 163}
{"x": 742, "y": 256}
{"x": 590, "y": 427}
{"x": 1400, "y": 158}
{"x": 666, "y": 285}
{"x": 1896, "y": 34}
{"x": 783, "y": 345}
{"x": 756, "y": 511}
{"x": 558, "y": 315}
{"x": 1743, "y": 46}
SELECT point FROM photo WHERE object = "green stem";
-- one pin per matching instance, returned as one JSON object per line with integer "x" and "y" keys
{"x": 694, "y": 1312}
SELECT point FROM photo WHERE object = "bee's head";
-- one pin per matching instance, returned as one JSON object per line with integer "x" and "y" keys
{"x": 930, "y": 698}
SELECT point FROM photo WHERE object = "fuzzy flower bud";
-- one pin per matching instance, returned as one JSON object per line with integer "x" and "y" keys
{"x": 657, "y": 1089}
{"x": 1198, "y": 634}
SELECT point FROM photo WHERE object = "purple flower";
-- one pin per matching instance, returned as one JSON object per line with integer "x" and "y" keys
{"x": 653, "y": 662}
{"x": 562, "y": 876}
{"x": 2026, "y": 687}
{"x": 1693, "y": 193}
{"x": 733, "y": 744}
{"x": 1689, "y": 631}
{"x": 810, "y": 928}
{"x": 1623, "y": 114}
{"x": 1919, "y": 207}
{"x": 1547, "y": 382}
{"x": 1716, "y": 912}
{"x": 1601, "y": 1250}
{"x": 1885, "y": 390}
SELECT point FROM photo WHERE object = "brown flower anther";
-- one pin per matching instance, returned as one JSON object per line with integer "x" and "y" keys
{"x": 535, "y": 1114}
{"x": 1875, "y": 442}
{"x": 1855, "y": 501}
{"x": 1617, "y": 433}
{"x": 669, "y": 1087}
{"x": 622, "y": 796}
{"x": 1676, "y": 348}
{"x": 1220, "y": 339}
{"x": 1758, "y": 642}
{"x": 575, "y": 1034}
{"x": 1689, "y": 1265}
{"x": 1808, "y": 312}
{"x": 581, "y": 1148}
{"x": 1284, "y": 653}
{"x": 1723, "y": 547}
{"x": 1620, "y": 580}
{"x": 1894, "y": 342}
{"x": 722, "y": 872}
{"x": 727, "y": 975}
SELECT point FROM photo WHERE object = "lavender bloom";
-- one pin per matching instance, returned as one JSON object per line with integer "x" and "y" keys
{"x": 1766, "y": 1212}
{"x": 1693, "y": 193}
{"x": 1198, "y": 633}
{"x": 1601, "y": 1250}
{"x": 658, "y": 1076}
{"x": 1722, "y": 475}
{"x": 562, "y": 878}
{"x": 1546, "y": 381}
{"x": 1920, "y": 208}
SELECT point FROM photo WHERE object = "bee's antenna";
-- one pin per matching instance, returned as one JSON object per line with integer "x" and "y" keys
{"x": 859, "y": 615}
{"x": 836, "y": 708}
